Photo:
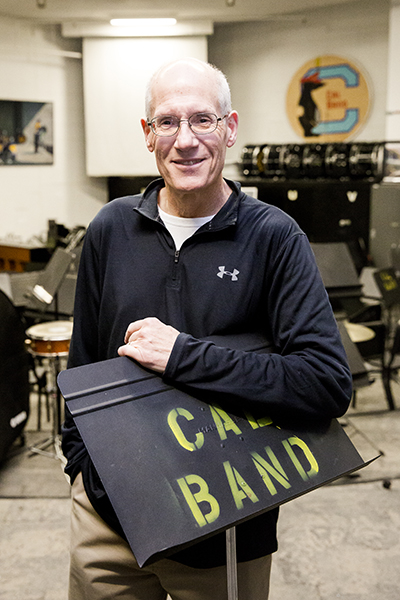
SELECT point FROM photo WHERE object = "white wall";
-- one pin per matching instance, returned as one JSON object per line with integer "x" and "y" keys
{"x": 116, "y": 72}
{"x": 393, "y": 97}
{"x": 260, "y": 60}
{"x": 33, "y": 68}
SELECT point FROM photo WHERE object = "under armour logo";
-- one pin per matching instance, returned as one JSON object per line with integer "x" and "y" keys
{"x": 233, "y": 275}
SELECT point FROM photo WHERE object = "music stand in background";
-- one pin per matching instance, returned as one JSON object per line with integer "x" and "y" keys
{"x": 357, "y": 365}
{"x": 339, "y": 276}
{"x": 44, "y": 291}
{"x": 337, "y": 268}
{"x": 388, "y": 285}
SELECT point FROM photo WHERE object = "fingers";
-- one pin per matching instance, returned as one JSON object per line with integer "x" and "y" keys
{"x": 150, "y": 342}
{"x": 131, "y": 351}
{"x": 132, "y": 328}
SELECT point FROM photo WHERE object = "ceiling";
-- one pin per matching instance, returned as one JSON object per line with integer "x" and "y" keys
{"x": 64, "y": 11}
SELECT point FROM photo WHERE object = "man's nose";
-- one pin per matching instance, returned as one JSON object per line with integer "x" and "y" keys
{"x": 185, "y": 136}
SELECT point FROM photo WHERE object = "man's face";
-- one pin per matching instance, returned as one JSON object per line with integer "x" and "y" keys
{"x": 186, "y": 161}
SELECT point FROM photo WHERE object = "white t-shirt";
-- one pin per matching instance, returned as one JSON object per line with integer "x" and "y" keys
{"x": 182, "y": 228}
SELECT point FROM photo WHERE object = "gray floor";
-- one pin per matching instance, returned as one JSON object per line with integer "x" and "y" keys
{"x": 340, "y": 541}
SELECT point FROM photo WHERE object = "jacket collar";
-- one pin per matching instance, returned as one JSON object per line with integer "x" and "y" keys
{"x": 225, "y": 217}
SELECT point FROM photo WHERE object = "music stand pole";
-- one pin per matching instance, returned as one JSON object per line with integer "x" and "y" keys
{"x": 231, "y": 564}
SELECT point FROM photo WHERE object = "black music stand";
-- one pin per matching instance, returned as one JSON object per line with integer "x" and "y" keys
{"x": 357, "y": 366}
{"x": 339, "y": 274}
{"x": 155, "y": 468}
{"x": 231, "y": 564}
{"x": 389, "y": 286}
{"x": 44, "y": 293}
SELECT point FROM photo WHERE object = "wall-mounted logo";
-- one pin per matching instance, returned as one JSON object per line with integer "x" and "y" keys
{"x": 328, "y": 99}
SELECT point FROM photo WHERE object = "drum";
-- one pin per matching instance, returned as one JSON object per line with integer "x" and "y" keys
{"x": 269, "y": 159}
{"x": 292, "y": 160}
{"x": 366, "y": 160}
{"x": 249, "y": 160}
{"x": 50, "y": 339}
{"x": 337, "y": 161}
{"x": 314, "y": 160}
{"x": 391, "y": 155}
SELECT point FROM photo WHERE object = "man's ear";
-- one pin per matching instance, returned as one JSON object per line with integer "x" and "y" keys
{"x": 148, "y": 135}
{"x": 233, "y": 122}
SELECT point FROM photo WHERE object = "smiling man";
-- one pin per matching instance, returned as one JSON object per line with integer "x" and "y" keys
{"x": 190, "y": 149}
{"x": 193, "y": 257}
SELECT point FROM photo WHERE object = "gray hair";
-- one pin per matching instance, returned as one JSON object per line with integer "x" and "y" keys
{"x": 224, "y": 92}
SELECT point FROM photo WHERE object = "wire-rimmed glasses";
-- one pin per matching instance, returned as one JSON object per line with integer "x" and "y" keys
{"x": 199, "y": 123}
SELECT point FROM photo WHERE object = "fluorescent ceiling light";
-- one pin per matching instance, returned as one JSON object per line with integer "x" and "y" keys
{"x": 142, "y": 22}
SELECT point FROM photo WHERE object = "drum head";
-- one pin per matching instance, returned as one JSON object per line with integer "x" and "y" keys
{"x": 49, "y": 339}
{"x": 51, "y": 331}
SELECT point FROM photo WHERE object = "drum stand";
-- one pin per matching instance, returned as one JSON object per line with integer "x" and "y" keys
{"x": 50, "y": 341}
{"x": 55, "y": 409}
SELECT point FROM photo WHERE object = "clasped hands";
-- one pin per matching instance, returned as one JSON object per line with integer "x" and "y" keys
{"x": 150, "y": 343}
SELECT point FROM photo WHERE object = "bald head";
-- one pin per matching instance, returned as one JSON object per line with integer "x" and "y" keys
{"x": 178, "y": 70}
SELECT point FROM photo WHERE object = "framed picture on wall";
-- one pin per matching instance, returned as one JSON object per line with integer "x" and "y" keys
{"x": 26, "y": 133}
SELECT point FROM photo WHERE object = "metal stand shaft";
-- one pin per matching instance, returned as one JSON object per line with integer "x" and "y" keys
{"x": 231, "y": 564}
{"x": 54, "y": 439}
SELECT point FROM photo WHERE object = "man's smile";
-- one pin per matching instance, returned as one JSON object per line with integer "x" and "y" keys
{"x": 189, "y": 162}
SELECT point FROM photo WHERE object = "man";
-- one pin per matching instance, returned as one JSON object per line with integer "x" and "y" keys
{"x": 190, "y": 258}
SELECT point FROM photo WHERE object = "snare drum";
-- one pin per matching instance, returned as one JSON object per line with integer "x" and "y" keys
{"x": 50, "y": 339}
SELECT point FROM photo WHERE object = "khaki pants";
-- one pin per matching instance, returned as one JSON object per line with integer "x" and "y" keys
{"x": 103, "y": 567}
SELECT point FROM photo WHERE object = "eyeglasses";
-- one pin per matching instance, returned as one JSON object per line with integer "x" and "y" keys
{"x": 199, "y": 123}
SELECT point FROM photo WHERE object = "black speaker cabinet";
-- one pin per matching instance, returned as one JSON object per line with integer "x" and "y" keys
{"x": 326, "y": 210}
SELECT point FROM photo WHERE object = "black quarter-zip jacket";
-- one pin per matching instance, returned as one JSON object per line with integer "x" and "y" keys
{"x": 250, "y": 269}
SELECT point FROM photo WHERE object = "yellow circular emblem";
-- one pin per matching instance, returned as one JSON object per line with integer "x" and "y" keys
{"x": 328, "y": 99}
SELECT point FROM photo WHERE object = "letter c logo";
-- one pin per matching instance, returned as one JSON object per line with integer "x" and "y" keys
{"x": 178, "y": 433}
